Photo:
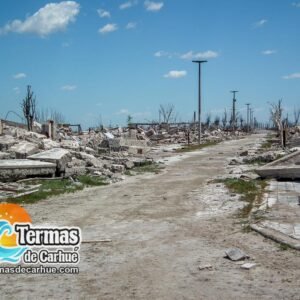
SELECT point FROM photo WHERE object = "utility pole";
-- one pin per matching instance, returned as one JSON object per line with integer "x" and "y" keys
{"x": 251, "y": 118}
{"x": 247, "y": 116}
{"x": 233, "y": 109}
{"x": 199, "y": 62}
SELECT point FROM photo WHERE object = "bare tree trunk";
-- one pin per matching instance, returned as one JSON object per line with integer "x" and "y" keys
{"x": 28, "y": 105}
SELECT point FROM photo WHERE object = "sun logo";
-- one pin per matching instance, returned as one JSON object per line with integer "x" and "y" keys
{"x": 10, "y": 214}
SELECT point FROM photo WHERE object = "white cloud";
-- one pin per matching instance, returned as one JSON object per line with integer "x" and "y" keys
{"x": 175, "y": 74}
{"x": 292, "y": 76}
{"x": 128, "y": 4}
{"x": 16, "y": 90}
{"x": 296, "y": 4}
{"x": 123, "y": 111}
{"x": 103, "y": 13}
{"x": 19, "y": 76}
{"x": 199, "y": 55}
{"x": 163, "y": 54}
{"x": 153, "y": 6}
{"x": 131, "y": 25}
{"x": 108, "y": 28}
{"x": 69, "y": 87}
{"x": 260, "y": 23}
{"x": 269, "y": 52}
{"x": 51, "y": 18}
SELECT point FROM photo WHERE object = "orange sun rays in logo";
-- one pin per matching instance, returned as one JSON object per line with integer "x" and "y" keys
{"x": 12, "y": 213}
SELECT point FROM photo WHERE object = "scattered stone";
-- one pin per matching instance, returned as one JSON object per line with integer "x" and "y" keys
{"x": 235, "y": 254}
{"x": 205, "y": 267}
{"x": 244, "y": 153}
{"x": 6, "y": 141}
{"x": 48, "y": 144}
{"x": 249, "y": 176}
{"x": 235, "y": 161}
{"x": 23, "y": 149}
{"x": 69, "y": 144}
{"x": 117, "y": 168}
{"x": 129, "y": 164}
{"x": 248, "y": 266}
{"x": 4, "y": 155}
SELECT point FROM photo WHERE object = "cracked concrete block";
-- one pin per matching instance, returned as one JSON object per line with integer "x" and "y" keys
{"x": 24, "y": 149}
{"x": 91, "y": 160}
{"x": 48, "y": 144}
{"x": 117, "y": 168}
{"x": 58, "y": 156}
{"x": 13, "y": 169}
{"x": 4, "y": 155}
{"x": 70, "y": 144}
{"x": 6, "y": 141}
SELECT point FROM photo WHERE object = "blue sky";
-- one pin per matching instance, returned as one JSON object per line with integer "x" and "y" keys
{"x": 113, "y": 58}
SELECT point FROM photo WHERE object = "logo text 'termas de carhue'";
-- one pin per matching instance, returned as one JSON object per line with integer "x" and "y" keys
{"x": 20, "y": 241}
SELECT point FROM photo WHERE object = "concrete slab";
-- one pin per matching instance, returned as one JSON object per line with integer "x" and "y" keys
{"x": 4, "y": 155}
{"x": 7, "y": 141}
{"x": 281, "y": 224}
{"x": 287, "y": 167}
{"x": 58, "y": 156}
{"x": 13, "y": 169}
{"x": 23, "y": 149}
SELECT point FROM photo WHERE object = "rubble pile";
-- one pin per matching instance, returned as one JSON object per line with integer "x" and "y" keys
{"x": 56, "y": 150}
{"x": 106, "y": 153}
{"x": 294, "y": 137}
{"x": 167, "y": 134}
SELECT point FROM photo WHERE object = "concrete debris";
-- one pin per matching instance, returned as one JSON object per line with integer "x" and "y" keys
{"x": 23, "y": 149}
{"x": 90, "y": 160}
{"x": 6, "y": 142}
{"x": 14, "y": 169}
{"x": 129, "y": 164}
{"x": 58, "y": 156}
{"x": 106, "y": 151}
{"x": 48, "y": 144}
{"x": 5, "y": 155}
{"x": 235, "y": 254}
{"x": 117, "y": 168}
{"x": 205, "y": 267}
{"x": 244, "y": 153}
{"x": 287, "y": 167}
{"x": 70, "y": 144}
{"x": 15, "y": 190}
{"x": 248, "y": 266}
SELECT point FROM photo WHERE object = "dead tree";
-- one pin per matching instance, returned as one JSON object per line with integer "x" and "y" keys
{"x": 217, "y": 121}
{"x": 276, "y": 117}
{"x": 208, "y": 120}
{"x": 167, "y": 113}
{"x": 241, "y": 119}
{"x": 43, "y": 115}
{"x": 224, "y": 118}
{"x": 28, "y": 105}
{"x": 296, "y": 116}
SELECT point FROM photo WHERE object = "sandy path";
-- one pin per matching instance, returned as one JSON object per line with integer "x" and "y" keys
{"x": 162, "y": 228}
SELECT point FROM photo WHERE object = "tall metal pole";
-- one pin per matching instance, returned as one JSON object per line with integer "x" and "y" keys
{"x": 199, "y": 62}
{"x": 251, "y": 118}
{"x": 247, "y": 116}
{"x": 233, "y": 109}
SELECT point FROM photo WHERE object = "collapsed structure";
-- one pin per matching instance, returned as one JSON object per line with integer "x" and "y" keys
{"x": 65, "y": 150}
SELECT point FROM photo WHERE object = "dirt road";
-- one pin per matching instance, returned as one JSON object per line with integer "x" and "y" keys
{"x": 162, "y": 228}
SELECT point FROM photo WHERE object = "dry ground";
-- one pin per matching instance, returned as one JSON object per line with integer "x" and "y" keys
{"x": 162, "y": 228}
